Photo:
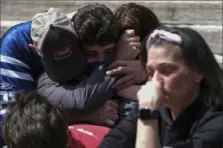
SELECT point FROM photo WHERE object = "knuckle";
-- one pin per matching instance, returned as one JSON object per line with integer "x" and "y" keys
{"x": 137, "y": 38}
{"x": 120, "y": 68}
{"x": 131, "y": 43}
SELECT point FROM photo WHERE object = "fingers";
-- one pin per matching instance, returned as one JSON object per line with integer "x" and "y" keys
{"x": 133, "y": 39}
{"x": 112, "y": 104}
{"x": 129, "y": 33}
{"x": 114, "y": 117}
{"x": 111, "y": 113}
{"x": 119, "y": 71}
{"x": 129, "y": 37}
{"x": 136, "y": 52}
{"x": 129, "y": 63}
{"x": 117, "y": 64}
{"x": 109, "y": 123}
{"x": 137, "y": 45}
{"x": 150, "y": 95}
{"x": 122, "y": 82}
{"x": 114, "y": 71}
{"x": 158, "y": 87}
{"x": 33, "y": 47}
{"x": 111, "y": 119}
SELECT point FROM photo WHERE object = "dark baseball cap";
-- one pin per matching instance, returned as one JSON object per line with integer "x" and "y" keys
{"x": 58, "y": 45}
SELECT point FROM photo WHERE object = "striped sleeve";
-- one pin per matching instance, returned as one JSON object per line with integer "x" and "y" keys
{"x": 15, "y": 57}
{"x": 15, "y": 74}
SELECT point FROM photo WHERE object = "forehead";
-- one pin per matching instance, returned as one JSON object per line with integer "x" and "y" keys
{"x": 164, "y": 54}
{"x": 99, "y": 48}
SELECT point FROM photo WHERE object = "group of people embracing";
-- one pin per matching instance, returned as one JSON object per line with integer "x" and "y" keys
{"x": 108, "y": 79}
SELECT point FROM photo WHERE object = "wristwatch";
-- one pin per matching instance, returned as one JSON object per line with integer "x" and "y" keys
{"x": 147, "y": 114}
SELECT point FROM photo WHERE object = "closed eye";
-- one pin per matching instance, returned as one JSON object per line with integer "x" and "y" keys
{"x": 167, "y": 70}
{"x": 109, "y": 50}
{"x": 91, "y": 53}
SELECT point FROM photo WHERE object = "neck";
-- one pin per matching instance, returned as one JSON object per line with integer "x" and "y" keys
{"x": 183, "y": 103}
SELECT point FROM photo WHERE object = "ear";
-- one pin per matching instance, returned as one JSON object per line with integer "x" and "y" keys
{"x": 33, "y": 47}
{"x": 198, "y": 77}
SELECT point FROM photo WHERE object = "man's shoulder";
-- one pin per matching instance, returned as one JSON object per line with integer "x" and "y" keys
{"x": 17, "y": 35}
{"x": 18, "y": 29}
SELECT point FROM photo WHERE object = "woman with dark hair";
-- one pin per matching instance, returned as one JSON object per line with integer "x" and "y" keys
{"x": 137, "y": 17}
{"x": 180, "y": 106}
{"x": 139, "y": 21}
{"x": 136, "y": 20}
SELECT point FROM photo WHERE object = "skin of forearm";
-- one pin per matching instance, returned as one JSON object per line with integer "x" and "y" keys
{"x": 81, "y": 118}
{"x": 147, "y": 134}
{"x": 130, "y": 92}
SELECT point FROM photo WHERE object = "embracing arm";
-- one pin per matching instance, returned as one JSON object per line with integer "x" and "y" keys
{"x": 80, "y": 98}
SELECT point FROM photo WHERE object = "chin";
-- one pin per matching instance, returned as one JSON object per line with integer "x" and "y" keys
{"x": 166, "y": 105}
{"x": 167, "y": 102}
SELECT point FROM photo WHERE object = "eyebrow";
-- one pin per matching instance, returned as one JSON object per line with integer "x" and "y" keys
{"x": 109, "y": 48}
{"x": 163, "y": 64}
{"x": 167, "y": 64}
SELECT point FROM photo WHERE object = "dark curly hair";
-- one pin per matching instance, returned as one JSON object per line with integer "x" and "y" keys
{"x": 32, "y": 122}
{"x": 96, "y": 24}
{"x": 137, "y": 17}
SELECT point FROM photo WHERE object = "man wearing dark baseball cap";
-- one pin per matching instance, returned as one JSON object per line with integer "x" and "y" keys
{"x": 58, "y": 45}
{"x": 89, "y": 98}
{"x": 86, "y": 98}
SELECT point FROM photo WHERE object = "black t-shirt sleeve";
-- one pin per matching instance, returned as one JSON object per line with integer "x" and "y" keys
{"x": 122, "y": 135}
{"x": 81, "y": 97}
{"x": 209, "y": 133}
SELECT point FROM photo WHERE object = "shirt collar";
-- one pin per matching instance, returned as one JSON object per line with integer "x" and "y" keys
{"x": 188, "y": 114}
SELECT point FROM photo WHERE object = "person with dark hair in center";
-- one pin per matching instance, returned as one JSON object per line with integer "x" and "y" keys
{"x": 181, "y": 104}
{"x": 137, "y": 17}
{"x": 87, "y": 96}
{"x": 142, "y": 21}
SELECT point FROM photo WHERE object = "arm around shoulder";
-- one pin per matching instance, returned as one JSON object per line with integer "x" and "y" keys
{"x": 82, "y": 97}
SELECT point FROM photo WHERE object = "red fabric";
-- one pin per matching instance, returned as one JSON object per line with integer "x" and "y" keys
{"x": 87, "y": 136}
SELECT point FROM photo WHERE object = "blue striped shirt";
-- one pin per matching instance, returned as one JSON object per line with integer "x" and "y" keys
{"x": 20, "y": 65}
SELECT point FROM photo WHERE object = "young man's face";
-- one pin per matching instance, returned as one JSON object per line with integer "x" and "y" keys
{"x": 98, "y": 53}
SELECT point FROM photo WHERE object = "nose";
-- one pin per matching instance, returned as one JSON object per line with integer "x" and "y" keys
{"x": 101, "y": 57}
{"x": 157, "y": 76}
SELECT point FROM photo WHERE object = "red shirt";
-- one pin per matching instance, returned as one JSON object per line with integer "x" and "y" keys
{"x": 86, "y": 135}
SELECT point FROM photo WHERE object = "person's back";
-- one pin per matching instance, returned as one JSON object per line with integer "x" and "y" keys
{"x": 20, "y": 65}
